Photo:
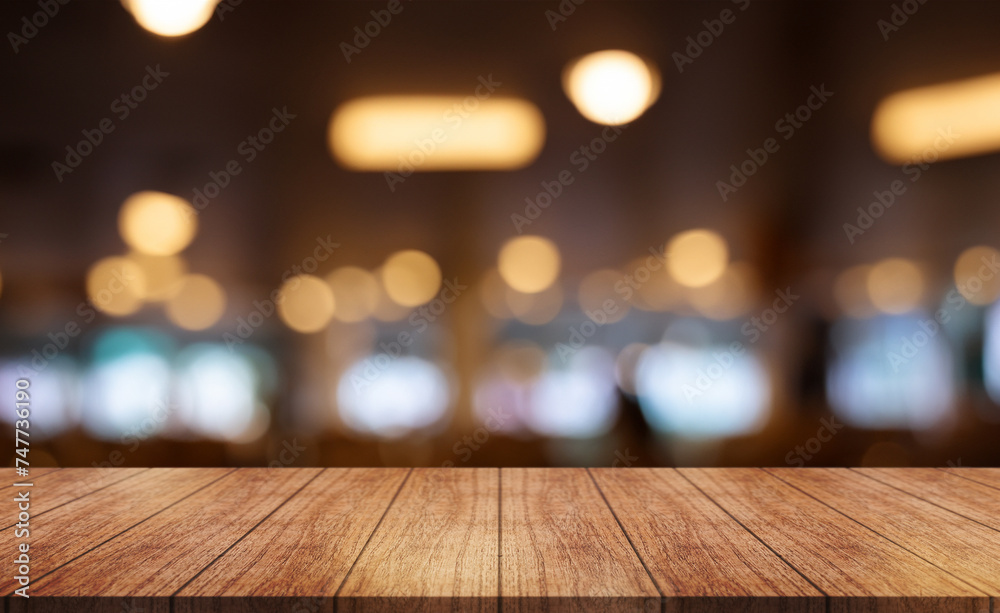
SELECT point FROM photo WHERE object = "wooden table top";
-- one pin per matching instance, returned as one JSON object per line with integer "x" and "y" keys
{"x": 196, "y": 540}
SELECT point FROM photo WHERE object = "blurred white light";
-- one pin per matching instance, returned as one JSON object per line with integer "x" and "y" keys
{"x": 702, "y": 392}
{"x": 579, "y": 401}
{"x": 171, "y": 17}
{"x": 51, "y": 393}
{"x": 611, "y": 87}
{"x": 390, "y": 398}
{"x": 889, "y": 373}
{"x": 216, "y": 392}
{"x": 127, "y": 394}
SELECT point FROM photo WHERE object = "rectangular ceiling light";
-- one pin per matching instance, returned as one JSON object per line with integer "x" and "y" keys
{"x": 950, "y": 120}
{"x": 418, "y": 133}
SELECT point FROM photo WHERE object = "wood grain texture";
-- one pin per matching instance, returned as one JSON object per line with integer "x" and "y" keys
{"x": 148, "y": 563}
{"x": 701, "y": 559}
{"x": 434, "y": 550}
{"x": 957, "y": 545}
{"x": 987, "y": 476}
{"x": 970, "y": 499}
{"x": 80, "y": 525}
{"x": 56, "y": 488}
{"x": 301, "y": 554}
{"x": 562, "y": 548}
{"x": 859, "y": 570}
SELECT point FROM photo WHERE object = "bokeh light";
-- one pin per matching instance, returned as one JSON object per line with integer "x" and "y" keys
{"x": 198, "y": 304}
{"x": 411, "y": 277}
{"x": 392, "y": 398}
{"x": 975, "y": 276}
{"x": 307, "y": 303}
{"x": 171, "y": 17}
{"x": 696, "y": 258}
{"x": 157, "y": 223}
{"x": 702, "y": 391}
{"x": 611, "y": 87}
{"x": 162, "y": 275}
{"x": 394, "y": 134}
{"x": 529, "y": 264}
{"x": 895, "y": 285}
{"x": 356, "y": 293}
{"x": 216, "y": 394}
{"x": 115, "y": 285}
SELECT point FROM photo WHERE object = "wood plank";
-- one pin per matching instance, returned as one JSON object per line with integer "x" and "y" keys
{"x": 56, "y": 488}
{"x": 153, "y": 560}
{"x": 563, "y": 550}
{"x": 971, "y": 499}
{"x": 701, "y": 558}
{"x": 435, "y": 549}
{"x": 959, "y": 546}
{"x": 986, "y": 476}
{"x": 301, "y": 554}
{"x": 82, "y": 524}
{"x": 859, "y": 570}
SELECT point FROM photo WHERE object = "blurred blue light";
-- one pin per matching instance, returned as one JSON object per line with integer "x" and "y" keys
{"x": 889, "y": 373}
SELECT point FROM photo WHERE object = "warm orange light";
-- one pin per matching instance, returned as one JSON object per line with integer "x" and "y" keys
{"x": 611, "y": 87}
{"x": 417, "y": 133}
{"x": 115, "y": 285}
{"x": 948, "y": 120}
{"x": 171, "y": 17}
{"x": 156, "y": 223}
{"x": 307, "y": 303}
{"x": 696, "y": 258}
{"x": 411, "y": 277}
{"x": 529, "y": 264}
{"x": 198, "y": 303}
{"x": 162, "y": 273}
{"x": 895, "y": 285}
{"x": 975, "y": 277}
{"x": 356, "y": 293}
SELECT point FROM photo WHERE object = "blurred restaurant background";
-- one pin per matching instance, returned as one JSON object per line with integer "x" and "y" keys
{"x": 502, "y": 233}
